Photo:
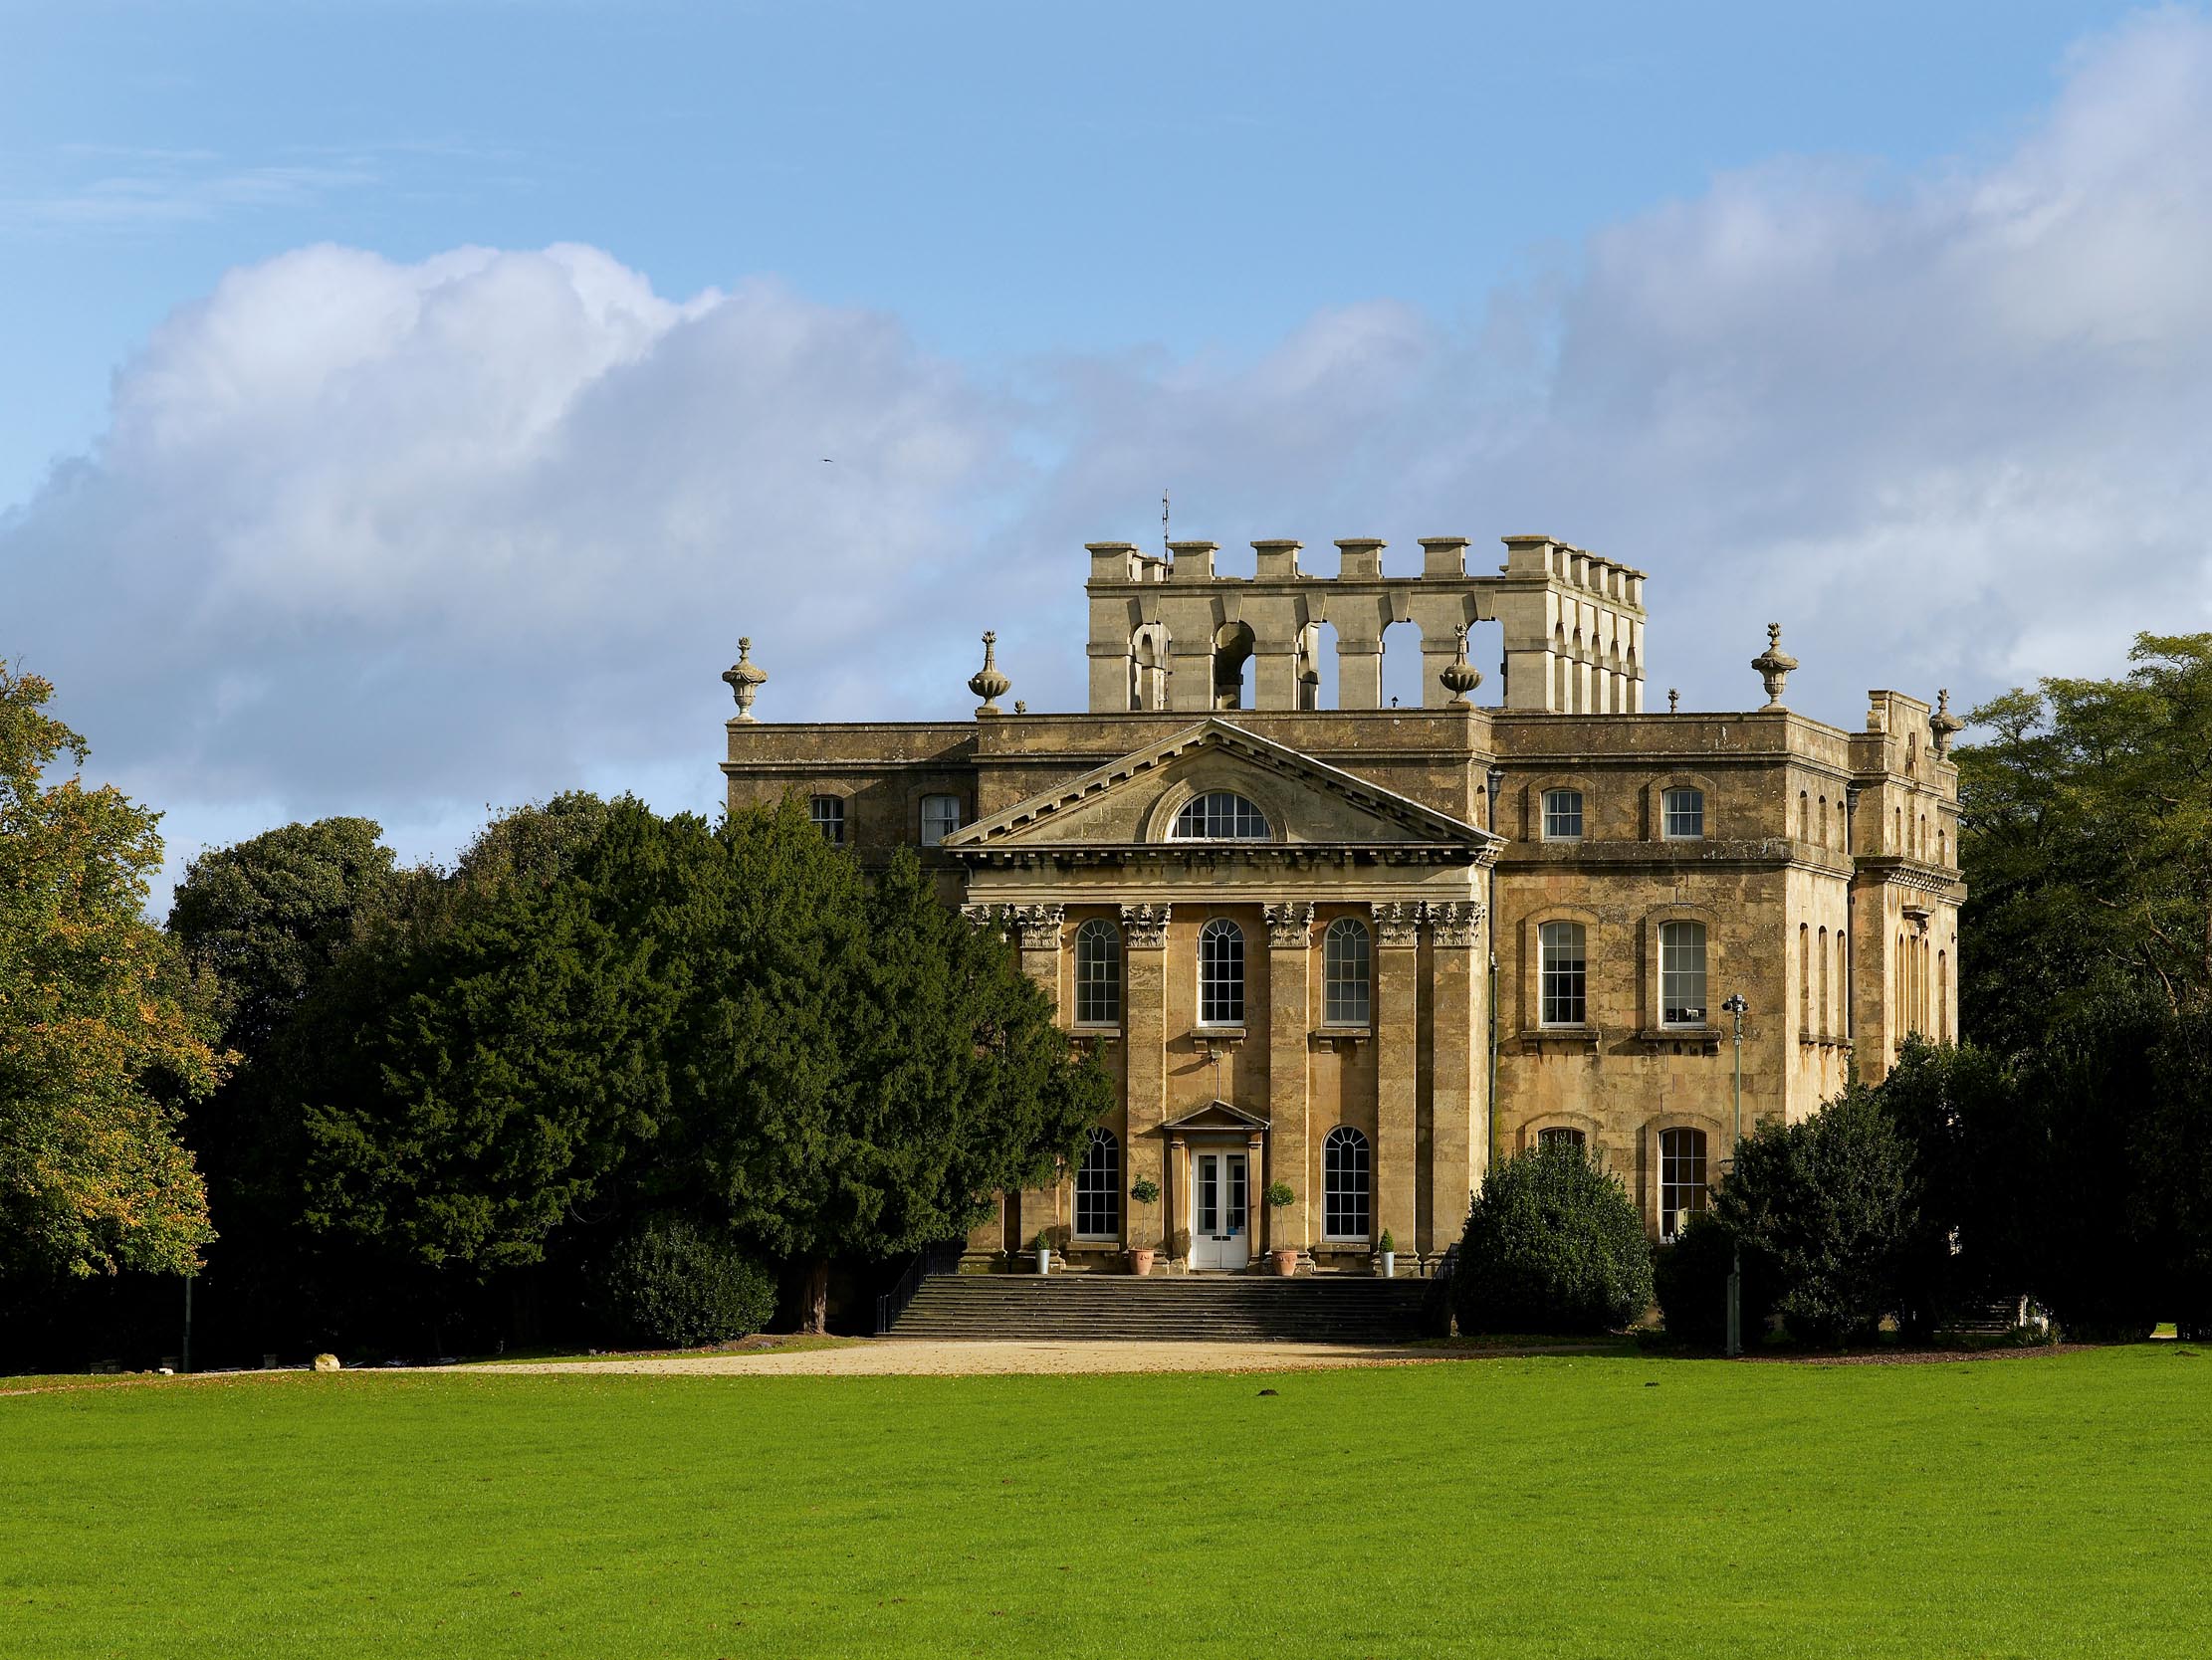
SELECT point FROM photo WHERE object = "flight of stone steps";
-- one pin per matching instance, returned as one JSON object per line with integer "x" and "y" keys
{"x": 1166, "y": 1309}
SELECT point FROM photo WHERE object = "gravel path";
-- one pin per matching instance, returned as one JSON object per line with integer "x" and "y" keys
{"x": 917, "y": 1358}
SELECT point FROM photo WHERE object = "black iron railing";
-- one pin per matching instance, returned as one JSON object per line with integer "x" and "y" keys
{"x": 934, "y": 1259}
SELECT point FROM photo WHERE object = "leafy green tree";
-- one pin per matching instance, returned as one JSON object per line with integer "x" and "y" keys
{"x": 104, "y": 1037}
{"x": 1552, "y": 1244}
{"x": 1828, "y": 1201}
{"x": 2085, "y": 833}
{"x": 1690, "y": 1278}
{"x": 268, "y": 916}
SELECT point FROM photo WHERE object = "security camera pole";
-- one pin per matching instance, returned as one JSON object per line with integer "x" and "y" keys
{"x": 1737, "y": 1006}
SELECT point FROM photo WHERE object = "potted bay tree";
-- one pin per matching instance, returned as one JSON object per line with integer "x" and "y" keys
{"x": 1146, "y": 1192}
{"x": 1386, "y": 1253}
{"x": 1283, "y": 1257}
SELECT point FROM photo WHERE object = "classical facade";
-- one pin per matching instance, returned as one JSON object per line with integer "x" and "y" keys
{"x": 1360, "y": 952}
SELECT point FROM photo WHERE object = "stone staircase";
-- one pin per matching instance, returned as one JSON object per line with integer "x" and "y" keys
{"x": 1179, "y": 1307}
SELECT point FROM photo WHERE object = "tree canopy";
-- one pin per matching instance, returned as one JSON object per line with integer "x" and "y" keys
{"x": 2085, "y": 834}
{"x": 102, "y": 1034}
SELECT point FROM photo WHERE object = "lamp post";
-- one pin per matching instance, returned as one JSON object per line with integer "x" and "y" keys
{"x": 1737, "y": 1007}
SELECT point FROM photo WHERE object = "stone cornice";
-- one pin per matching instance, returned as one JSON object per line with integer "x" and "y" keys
{"x": 1915, "y": 876}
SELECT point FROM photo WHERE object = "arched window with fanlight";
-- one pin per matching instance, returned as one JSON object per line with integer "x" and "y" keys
{"x": 1220, "y": 974}
{"x": 1098, "y": 973}
{"x": 1345, "y": 1167}
{"x": 1347, "y": 973}
{"x": 1219, "y": 815}
{"x": 1099, "y": 1187}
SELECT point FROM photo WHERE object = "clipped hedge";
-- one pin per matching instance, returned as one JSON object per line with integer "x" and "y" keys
{"x": 675, "y": 1285}
{"x": 1552, "y": 1244}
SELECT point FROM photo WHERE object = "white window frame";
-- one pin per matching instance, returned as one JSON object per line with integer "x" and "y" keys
{"x": 934, "y": 834}
{"x": 1219, "y": 815}
{"x": 1220, "y": 982}
{"x": 1674, "y": 936}
{"x": 1098, "y": 1184}
{"x": 1545, "y": 1015}
{"x": 1097, "y": 973}
{"x": 1347, "y": 973}
{"x": 827, "y": 814}
{"x": 1679, "y": 804}
{"x": 1555, "y": 809}
{"x": 1680, "y": 1198}
{"x": 1574, "y": 1134}
{"x": 1345, "y": 1189}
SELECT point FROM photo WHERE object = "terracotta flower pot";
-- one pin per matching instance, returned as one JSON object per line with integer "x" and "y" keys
{"x": 1285, "y": 1263}
{"x": 1140, "y": 1260}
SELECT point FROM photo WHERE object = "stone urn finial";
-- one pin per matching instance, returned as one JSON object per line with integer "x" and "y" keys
{"x": 988, "y": 683}
{"x": 1774, "y": 666}
{"x": 1459, "y": 676}
{"x": 1943, "y": 726}
{"x": 745, "y": 677}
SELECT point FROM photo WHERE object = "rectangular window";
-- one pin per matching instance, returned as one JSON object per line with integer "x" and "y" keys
{"x": 1683, "y": 814}
{"x": 828, "y": 814}
{"x": 1682, "y": 973}
{"x": 1563, "y": 981}
{"x": 940, "y": 818}
{"x": 1562, "y": 816}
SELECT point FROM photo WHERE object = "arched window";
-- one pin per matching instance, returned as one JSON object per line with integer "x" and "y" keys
{"x": 1098, "y": 1189}
{"x": 1347, "y": 979}
{"x": 1098, "y": 973}
{"x": 1683, "y": 813}
{"x": 1805, "y": 978}
{"x": 1804, "y": 815}
{"x": 1943, "y": 997}
{"x": 1826, "y": 1029}
{"x": 1220, "y": 974}
{"x": 828, "y": 814}
{"x": 1823, "y": 822}
{"x": 1681, "y": 1179}
{"x": 1219, "y": 815}
{"x": 1344, "y": 1174}
{"x": 1681, "y": 949}
{"x": 1561, "y": 1135}
{"x": 1561, "y": 975}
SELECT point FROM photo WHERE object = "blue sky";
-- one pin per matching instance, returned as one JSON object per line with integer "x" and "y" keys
{"x": 309, "y": 508}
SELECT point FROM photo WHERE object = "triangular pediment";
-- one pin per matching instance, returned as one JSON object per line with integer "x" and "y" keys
{"x": 1213, "y": 1115}
{"x": 1133, "y": 801}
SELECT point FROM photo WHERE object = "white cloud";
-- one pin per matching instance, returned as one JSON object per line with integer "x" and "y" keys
{"x": 410, "y": 539}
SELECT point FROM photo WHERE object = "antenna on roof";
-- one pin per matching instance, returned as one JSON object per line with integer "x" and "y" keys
{"x": 1164, "y": 552}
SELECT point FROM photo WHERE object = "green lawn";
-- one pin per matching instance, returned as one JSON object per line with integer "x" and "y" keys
{"x": 1571, "y": 1506}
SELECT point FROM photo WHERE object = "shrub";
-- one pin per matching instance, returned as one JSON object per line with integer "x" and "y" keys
{"x": 677, "y": 1285}
{"x": 1691, "y": 1278}
{"x": 1552, "y": 1244}
{"x": 1829, "y": 1202}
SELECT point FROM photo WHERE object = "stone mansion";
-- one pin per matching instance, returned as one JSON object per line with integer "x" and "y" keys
{"x": 1364, "y": 950}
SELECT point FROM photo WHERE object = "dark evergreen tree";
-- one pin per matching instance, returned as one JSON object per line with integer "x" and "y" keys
{"x": 1552, "y": 1244}
{"x": 1829, "y": 1202}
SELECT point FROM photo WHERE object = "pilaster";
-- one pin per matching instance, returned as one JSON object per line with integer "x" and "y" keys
{"x": 1144, "y": 929}
{"x": 1289, "y": 963}
{"x": 1396, "y": 1069}
{"x": 1455, "y": 1166}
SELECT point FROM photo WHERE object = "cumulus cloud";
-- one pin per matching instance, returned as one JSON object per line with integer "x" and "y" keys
{"x": 409, "y": 538}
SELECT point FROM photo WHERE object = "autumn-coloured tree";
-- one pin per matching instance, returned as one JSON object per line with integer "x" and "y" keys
{"x": 103, "y": 1036}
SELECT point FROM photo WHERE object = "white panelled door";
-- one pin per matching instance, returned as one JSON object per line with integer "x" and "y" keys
{"x": 1221, "y": 1210}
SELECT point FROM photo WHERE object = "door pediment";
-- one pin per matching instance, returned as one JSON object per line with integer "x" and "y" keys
{"x": 1214, "y": 1118}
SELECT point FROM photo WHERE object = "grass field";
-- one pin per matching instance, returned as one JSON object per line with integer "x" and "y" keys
{"x": 2053, "y": 1505}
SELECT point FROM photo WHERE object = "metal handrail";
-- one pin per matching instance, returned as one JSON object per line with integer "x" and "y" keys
{"x": 930, "y": 1259}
